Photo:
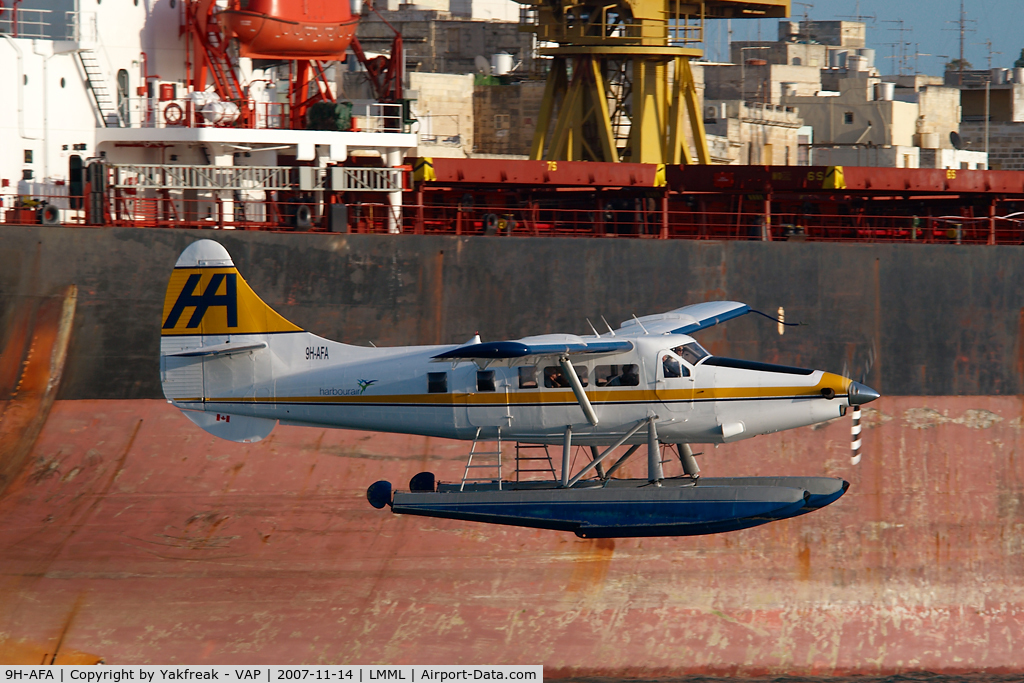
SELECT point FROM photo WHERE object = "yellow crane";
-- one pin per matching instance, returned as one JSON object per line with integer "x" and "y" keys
{"x": 620, "y": 76}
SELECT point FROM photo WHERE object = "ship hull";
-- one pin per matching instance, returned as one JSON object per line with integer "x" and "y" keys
{"x": 133, "y": 536}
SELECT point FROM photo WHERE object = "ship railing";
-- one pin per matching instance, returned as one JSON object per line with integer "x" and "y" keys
{"x": 81, "y": 27}
{"x": 141, "y": 177}
{"x": 183, "y": 112}
{"x": 264, "y": 200}
{"x": 25, "y": 22}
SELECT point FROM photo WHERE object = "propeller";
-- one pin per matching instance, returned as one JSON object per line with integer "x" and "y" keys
{"x": 859, "y": 394}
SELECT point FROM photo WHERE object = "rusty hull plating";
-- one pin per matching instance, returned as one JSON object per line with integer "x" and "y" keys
{"x": 178, "y": 547}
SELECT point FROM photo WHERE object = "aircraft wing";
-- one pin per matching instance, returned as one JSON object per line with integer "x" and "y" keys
{"x": 685, "y": 320}
{"x": 543, "y": 345}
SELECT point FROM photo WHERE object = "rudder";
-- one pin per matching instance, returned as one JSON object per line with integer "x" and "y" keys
{"x": 211, "y": 317}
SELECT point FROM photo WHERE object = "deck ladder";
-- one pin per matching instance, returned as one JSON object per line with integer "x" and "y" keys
{"x": 485, "y": 460}
{"x": 533, "y": 460}
{"x": 97, "y": 84}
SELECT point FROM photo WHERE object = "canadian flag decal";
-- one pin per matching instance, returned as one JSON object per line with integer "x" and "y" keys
{"x": 225, "y": 418}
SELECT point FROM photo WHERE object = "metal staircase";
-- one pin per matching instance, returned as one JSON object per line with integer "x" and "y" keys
{"x": 531, "y": 462}
{"x": 224, "y": 76}
{"x": 95, "y": 80}
{"x": 492, "y": 461}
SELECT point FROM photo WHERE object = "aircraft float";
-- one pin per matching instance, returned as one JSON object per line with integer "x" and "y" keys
{"x": 236, "y": 368}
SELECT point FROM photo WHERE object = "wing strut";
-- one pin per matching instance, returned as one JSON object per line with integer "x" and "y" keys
{"x": 577, "y": 388}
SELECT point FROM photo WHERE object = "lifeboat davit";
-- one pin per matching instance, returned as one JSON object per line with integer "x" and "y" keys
{"x": 290, "y": 29}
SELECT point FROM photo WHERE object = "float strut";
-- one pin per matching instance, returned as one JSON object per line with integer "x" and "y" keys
{"x": 566, "y": 448}
{"x": 688, "y": 461}
{"x": 654, "y": 472}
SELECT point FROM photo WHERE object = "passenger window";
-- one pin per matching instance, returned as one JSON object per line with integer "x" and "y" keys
{"x": 617, "y": 375}
{"x": 437, "y": 382}
{"x": 554, "y": 378}
{"x": 485, "y": 380}
{"x": 528, "y": 377}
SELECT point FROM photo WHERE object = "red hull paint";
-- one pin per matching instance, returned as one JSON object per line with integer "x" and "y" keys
{"x": 142, "y": 539}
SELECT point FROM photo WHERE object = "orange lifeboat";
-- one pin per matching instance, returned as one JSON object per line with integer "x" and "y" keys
{"x": 290, "y": 29}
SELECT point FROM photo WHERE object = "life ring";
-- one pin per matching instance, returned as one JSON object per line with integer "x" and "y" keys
{"x": 491, "y": 223}
{"x": 303, "y": 217}
{"x": 49, "y": 215}
{"x": 173, "y": 115}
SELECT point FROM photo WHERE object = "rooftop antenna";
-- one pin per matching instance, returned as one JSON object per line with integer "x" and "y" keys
{"x": 902, "y": 43}
{"x": 988, "y": 44}
{"x": 807, "y": 21}
{"x": 858, "y": 16}
{"x": 962, "y": 28}
{"x": 917, "y": 55}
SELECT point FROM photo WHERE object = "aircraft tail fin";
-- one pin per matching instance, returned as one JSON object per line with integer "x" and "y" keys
{"x": 214, "y": 360}
{"x": 207, "y": 296}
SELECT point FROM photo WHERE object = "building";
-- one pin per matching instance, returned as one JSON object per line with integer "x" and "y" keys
{"x": 993, "y": 114}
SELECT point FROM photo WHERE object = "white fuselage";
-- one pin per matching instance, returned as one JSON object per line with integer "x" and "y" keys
{"x": 300, "y": 378}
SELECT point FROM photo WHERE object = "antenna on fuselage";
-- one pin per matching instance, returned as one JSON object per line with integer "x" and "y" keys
{"x": 640, "y": 324}
{"x": 607, "y": 325}
{"x": 594, "y": 329}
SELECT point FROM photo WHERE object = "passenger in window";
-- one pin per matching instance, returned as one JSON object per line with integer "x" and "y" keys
{"x": 629, "y": 378}
{"x": 554, "y": 379}
{"x": 671, "y": 367}
{"x": 691, "y": 353}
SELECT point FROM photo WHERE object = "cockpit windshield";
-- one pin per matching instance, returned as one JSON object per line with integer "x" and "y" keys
{"x": 692, "y": 353}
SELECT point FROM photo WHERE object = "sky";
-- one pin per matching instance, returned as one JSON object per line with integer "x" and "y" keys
{"x": 930, "y": 28}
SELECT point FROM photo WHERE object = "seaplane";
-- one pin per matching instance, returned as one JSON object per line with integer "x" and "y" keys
{"x": 236, "y": 368}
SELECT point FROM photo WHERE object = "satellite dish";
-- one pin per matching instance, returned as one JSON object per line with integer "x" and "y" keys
{"x": 955, "y": 138}
{"x": 482, "y": 65}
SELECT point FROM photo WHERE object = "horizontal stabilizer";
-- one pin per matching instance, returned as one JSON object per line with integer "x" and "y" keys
{"x": 685, "y": 320}
{"x": 501, "y": 350}
{"x": 219, "y": 349}
{"x": 238, "y": 428}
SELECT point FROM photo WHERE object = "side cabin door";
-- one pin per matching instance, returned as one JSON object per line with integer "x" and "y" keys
{"x": 486, "y": 396}
{"x": 674, "y": 381}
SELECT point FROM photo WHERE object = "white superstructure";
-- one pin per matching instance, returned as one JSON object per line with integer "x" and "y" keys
{"x": 108, "y": 79}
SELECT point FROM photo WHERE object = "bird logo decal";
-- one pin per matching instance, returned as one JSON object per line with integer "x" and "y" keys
{"x": 365, "y": 384}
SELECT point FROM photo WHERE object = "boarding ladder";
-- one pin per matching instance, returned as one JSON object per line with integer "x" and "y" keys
{"x": 533, "y": 459}
{"x": 491, "y": 460}
{"x": 110, "y": 115}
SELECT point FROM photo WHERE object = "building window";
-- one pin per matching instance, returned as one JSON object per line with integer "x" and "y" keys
{"x": 797, "y": 61}
{"x": 502, "y": 121}
{"x": 848, "y": 117}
